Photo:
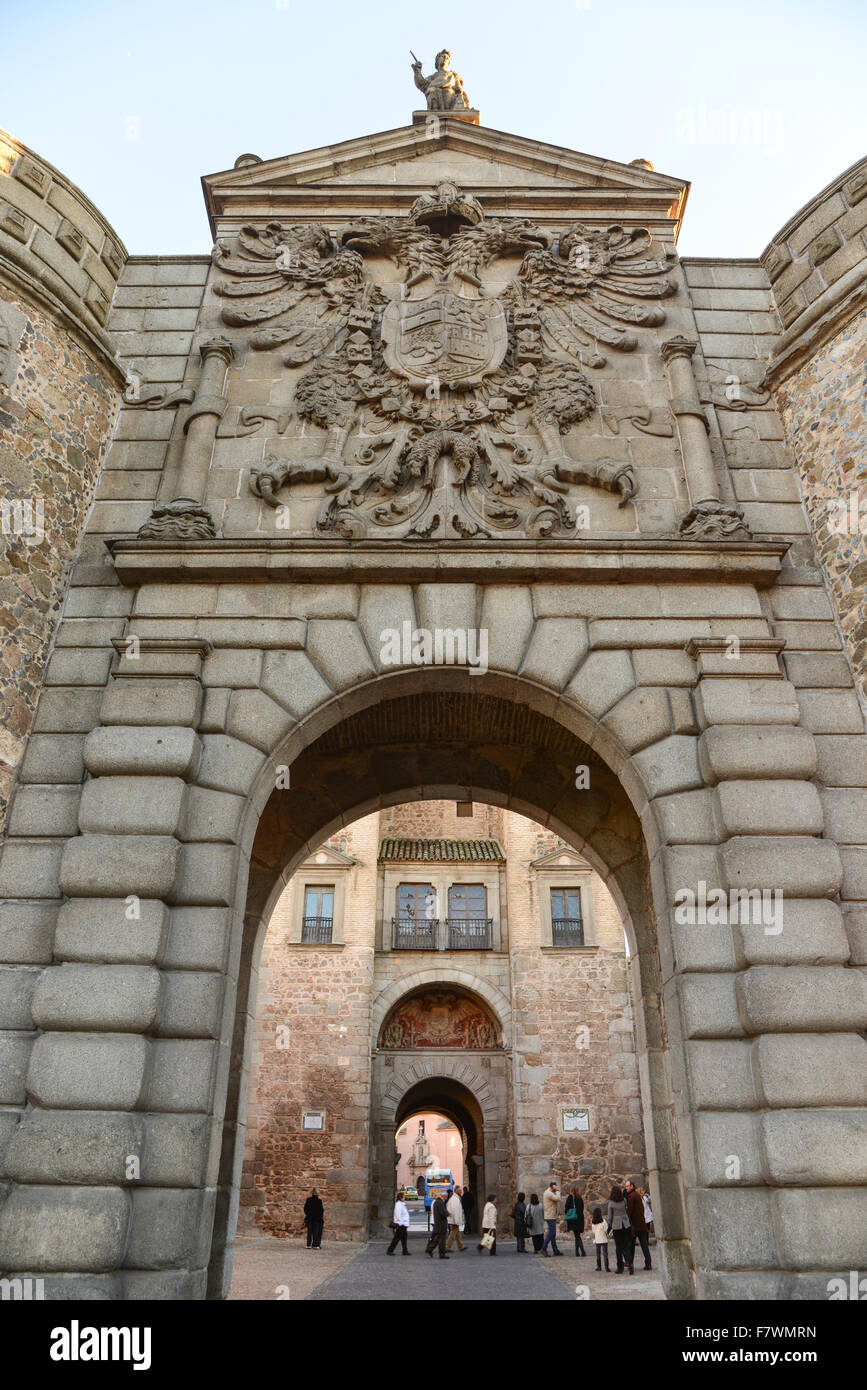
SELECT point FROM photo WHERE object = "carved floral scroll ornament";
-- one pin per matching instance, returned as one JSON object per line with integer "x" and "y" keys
{"x": 444, "y": 410}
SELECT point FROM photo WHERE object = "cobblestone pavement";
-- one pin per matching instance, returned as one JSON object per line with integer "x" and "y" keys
{"x": 268, "y": 1268}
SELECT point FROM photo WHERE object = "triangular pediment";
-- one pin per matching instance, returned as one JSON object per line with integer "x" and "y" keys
{"x": 325, "y": 857}
{"x": 383, "y": 173}
{"x": 563, "y": 857}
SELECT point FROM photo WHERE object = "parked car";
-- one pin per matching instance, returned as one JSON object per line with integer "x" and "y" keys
{"x": 411, "y": 1194}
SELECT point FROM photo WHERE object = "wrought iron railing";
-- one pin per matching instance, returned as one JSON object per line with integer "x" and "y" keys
{"x": 469, "y": 933}
{"x": 447, "y": 934}
{"x": 567, "y": 931}
{"x": 316, "y": 931}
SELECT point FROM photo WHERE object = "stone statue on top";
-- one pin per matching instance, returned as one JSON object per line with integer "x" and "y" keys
{"x": 444, "y": 89}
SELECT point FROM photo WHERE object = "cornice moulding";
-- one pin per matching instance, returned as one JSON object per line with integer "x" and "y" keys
{"x": 371, "y": 561}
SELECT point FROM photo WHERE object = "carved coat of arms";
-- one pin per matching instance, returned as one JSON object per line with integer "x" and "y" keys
{"x": 444, "y": 405}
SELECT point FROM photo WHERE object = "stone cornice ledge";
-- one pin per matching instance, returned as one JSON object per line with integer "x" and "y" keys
{"x": 313, "y": 561}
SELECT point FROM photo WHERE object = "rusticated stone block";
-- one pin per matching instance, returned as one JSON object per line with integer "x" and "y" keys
{"x": 145, "y": 702}
{"x": 797, "y": 999}
{"x": 15, "y": 1050}
{"x": 170, "y": 1228}
{"x": 733, "y": 752}
{"x": 17, "y": 987}
{"x": 111, "y": 931}
{"x": 798, "y": 866}
{"x": 111, "y": 866}
{"x": 111, "y": 998}
{"x": 767, "y": 808}
{"x": 81, "y": 1071}
{"x": 797, "y": 1069}
{"x": 815, "y": 1148}
{"x": 139, "y": 752}
{"x": 131, "y": 806}
{"x": 734, "y": 701}
{"x": 181, "y": 1074}
{"x": 731, "y": 1228}
{"x": 191, "y": 1004}
{"x": 180, "y": 1150}
{"x": 64, "y": 1227}
{"x": 74, "y": 1146}
{"x": 842, "y": 1220}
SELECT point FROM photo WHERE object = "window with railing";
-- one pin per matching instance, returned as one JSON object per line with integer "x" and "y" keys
{"x": 567, "y": 927}
{"x": 417, "y": 927}
{"x": 317, "y": 924}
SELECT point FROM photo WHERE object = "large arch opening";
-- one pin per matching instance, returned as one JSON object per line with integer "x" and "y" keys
{"x": 489, "y": 741}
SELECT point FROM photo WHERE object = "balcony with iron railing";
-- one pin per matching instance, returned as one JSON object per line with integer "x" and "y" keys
{"x": 567, "y": 931}
{"x": 316, "y": 931}
{"x": 442, "y": 934}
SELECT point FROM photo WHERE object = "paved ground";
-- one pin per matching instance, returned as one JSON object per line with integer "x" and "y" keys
{"x": 267, "y": 1268}
{"x": 372, "y": 1277}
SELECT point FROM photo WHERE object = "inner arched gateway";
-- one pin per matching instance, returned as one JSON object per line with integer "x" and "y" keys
{"x": 442, "y": 976}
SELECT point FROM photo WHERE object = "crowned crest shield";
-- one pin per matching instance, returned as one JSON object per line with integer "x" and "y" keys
{"x": 444, "y": 338}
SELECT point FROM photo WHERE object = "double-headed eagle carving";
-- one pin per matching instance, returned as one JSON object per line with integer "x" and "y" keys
{"x": 444, "y": 409}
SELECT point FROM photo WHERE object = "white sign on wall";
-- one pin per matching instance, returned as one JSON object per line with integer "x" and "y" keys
{"x": 574, "y": 1120}
{"x": 313, "y": 1119}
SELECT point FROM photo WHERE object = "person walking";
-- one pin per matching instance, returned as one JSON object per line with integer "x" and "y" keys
{"x": 456, "y": 1217}
{"x": 551, "y": 1203}
{"x": 467, "y": 1202}
{"x": 519, "y": 1219}
{"x": 648, "y": 1210}
{"x": 439, "y": 1229}
{"x": 400, "y": 1224}
{"x": 314, "y": 1220}
{"x": 536, "y": 1222}
{"x": 618, "y": 1222}
{"x": 637, "y": 1225}
{"x": 574, "y": 1214}
{"x": 600, "y": 1237}
{"x": 489, "y": 1223}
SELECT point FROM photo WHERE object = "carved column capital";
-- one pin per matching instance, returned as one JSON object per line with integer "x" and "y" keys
{"x": 677, "y": 347}
{"x": 217, "y": 347}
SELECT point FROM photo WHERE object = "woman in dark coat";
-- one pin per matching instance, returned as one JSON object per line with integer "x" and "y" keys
{"x": 519, "y": 1220}
{"x": 574, "y": 1215}
{"x": 314, "y": 1219}
{"x": 618, "y": 1224}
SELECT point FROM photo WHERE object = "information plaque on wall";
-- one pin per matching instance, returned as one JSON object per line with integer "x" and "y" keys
{"x": 573, "y": 1120}
{"x": 313, "y": 1119}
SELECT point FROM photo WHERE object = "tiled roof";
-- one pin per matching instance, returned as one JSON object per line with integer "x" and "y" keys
{"x": 442, "y": 851}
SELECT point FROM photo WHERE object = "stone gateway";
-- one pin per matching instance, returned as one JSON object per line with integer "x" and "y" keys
{"x": 448, "y": 380}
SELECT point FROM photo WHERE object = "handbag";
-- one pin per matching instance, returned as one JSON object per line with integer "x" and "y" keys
{"x": 487, "y": 1239}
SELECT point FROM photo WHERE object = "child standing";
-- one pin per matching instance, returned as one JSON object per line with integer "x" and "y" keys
{"x": 600, "y": 1237}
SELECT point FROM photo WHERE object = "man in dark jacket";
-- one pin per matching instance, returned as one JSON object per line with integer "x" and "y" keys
{"x": 440, "y": 1228}
{"x": 314, "y": 1215}
{"x": 519, "y": 1220}
{"x": 637, "y": 1223}
{"x": 467, "y": 1202}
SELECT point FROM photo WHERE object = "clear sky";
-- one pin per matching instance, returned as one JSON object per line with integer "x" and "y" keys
{"x": 759, "y": 104}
